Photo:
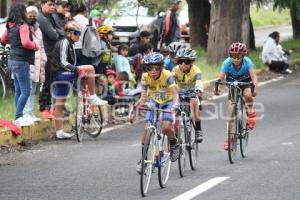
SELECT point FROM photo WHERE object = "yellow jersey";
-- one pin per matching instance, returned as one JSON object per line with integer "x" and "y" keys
{"x": 189, "y": 80}
{"x": 160, "y": 90}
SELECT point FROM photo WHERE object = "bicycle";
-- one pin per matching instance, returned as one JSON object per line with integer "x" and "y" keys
{"x": 186, "y": 134}
{"x": 156, "y": 152}
{"x": 89, "y": 117}
{"x": 5, "y": 75}
{"x": 238, "y": 119}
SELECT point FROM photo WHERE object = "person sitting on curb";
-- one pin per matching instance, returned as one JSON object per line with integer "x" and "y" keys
{"x": 64, "y": 69}
{"x": 271, "y": 55}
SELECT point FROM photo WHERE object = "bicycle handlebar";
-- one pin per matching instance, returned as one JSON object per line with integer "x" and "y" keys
{"x": 231, "y": 84}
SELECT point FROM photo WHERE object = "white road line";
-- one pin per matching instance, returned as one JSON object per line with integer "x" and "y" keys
{"x": 135, "y": 145}
{"x": 271, "y": 81}
{"x": 201, "y": 188}
{"x": 286, "y": 143}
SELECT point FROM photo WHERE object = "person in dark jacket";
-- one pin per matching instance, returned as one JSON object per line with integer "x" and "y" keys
{"x": 21, "y": 55}
{"x": 64, "y": 68}
{"x": 62, "y": 15}
{"x": 143, "y": 38}
{"x": 171, "y": 27}
{"x": 50, "y": 37}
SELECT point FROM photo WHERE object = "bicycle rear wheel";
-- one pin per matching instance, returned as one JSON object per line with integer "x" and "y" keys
{"x": 243, "y": 131}
{"x": 96, "y": 122}
{"x": 3, "y": 85}
{"x": 165, "y": 162}
{"x": 79, "y": 117}
{"x": 147, "y": 162}
{"x": 183, "y": 151}
{"x": 232, "y": 131}
{"x": 193, "y": 145}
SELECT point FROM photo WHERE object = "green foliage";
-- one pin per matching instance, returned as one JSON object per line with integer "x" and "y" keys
{"x": 261, "y": 16}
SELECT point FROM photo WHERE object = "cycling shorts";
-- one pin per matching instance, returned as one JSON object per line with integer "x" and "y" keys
{"x": 165, "y": 116}
{"x": 65, "y": 80}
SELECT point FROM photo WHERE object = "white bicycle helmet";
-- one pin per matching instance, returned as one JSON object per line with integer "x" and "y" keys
{"x": 187, "y": 53}
{"x": 175, "y": 46}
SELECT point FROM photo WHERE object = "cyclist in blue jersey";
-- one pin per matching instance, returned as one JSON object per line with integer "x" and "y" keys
{"x": 239, "y": 67}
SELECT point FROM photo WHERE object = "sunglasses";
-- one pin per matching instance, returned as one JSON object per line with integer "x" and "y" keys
{"x": 150, "y": 68}
{"x": 236, "y": 56}
{"x": 185, "y": 61}
{"x": 77, "y": 33}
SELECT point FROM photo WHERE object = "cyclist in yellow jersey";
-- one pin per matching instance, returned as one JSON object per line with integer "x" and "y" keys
{"x": 188, "y": 77}
{"x": 159, "y": 86}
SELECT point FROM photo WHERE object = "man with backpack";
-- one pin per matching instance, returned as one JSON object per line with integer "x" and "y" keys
{"x": 171, "y": 28}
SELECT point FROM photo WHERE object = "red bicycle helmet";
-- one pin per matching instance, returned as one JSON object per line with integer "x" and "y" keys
{"x": 111, "y": 72}
{"x": 238, "y": 48}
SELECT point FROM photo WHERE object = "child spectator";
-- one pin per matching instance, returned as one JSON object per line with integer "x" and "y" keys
{"x": 115, "y": 93}
{"x": 109, "y": 95}
{"x": 121, "y": 62}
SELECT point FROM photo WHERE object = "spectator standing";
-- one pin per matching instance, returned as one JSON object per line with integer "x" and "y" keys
{"x": 21, "y": 55}
{"x": 271, "y": 54}
{"x": 50, "y": 37}
{"x": 144, "y": 38}
{"x": 81, "y": 17}
{"x": 37, "y": 70}
{"x": 171, "y": 28}
{"x": 62, "y": 15}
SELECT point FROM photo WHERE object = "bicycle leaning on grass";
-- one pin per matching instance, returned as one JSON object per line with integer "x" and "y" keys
{"x": 237, "y": 130}
{"x": 5, "y": 75}
{"x": 156, "y": 151}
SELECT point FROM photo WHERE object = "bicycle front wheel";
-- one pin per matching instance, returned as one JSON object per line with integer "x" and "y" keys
{"x": 165, "y": 162}
{"x": 79, "y": 124}
{"x": 3, "y": 85}
{"x": 183, "y": 151}
{"x": 193, "y": 145}
{"x": 243, "y": 131}
{"x": 232, "y": 131}
{"x": 147, "y": 162}
{"x": 96, "y": 121}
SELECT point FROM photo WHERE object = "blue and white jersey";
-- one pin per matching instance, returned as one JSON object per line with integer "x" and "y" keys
{"x": 233, "y": 74}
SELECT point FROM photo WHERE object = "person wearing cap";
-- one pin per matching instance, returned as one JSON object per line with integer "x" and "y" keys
{"x": 171, "y": 28}
{"x": 62, "y": 14}
{"x": 143, "y": 38}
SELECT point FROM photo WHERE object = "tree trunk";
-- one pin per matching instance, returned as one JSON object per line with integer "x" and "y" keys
{"x": 245, "y": 23}
{"x": 225, "y": 28}
{"x": 252, "y": 36}
{"x": 199, "y": 17}
{"x": 295, "y": 16}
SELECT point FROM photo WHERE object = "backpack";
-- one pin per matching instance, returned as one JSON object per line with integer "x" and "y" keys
{"x": 91, "y": 45}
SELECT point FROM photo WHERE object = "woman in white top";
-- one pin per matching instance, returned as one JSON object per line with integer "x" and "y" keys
{"x": 272, "y": 56}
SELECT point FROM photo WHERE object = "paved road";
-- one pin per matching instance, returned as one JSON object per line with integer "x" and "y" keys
{"x": 261, "y": 34}
{"x": 105, "y": 168}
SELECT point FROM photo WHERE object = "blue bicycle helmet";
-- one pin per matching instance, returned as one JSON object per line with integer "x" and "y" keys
{"x": 154, "y": 58}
